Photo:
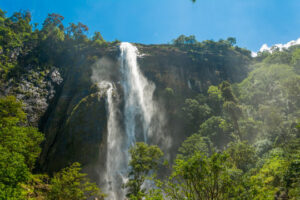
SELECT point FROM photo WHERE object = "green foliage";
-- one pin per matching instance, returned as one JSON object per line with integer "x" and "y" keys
{"x": 154, "y": 194}
{"x": 231, "y": 40}
{"x": 200, "y": 177}
{"x": 13, "y": 172}
{"x": 144, "y": 159}
{"x": 53, "y": 20}
{"x": 23, "y": 140}
{"x": 215, "y": 100}
{"x": 182, "y": 40}
{"x": 226, "y": 92}
{"x": 295, "y": 61}
{"x": 16, "y": 138}
{"x": 37, "y": 187}
{"x": 292, "y": 178}
{"x": 255, "y": 124}
{"x": 230, "y": 106}
{"x": 97, "y": 36}
{"x": 11, "y": 112}
{"x": 195, "y": 113}
{"x": 221, "y": 57}
{"x": 195, "y": 143}
{"x": 23, "y": 45}
{"x": 269, "y": 179}
{"x": 14, "y": 32}
{"x": 242, "y": 155}
{"x": 217, "y": 130}
{"x": 265, "y": 83}
{"x": 69, "y": 183}
{"x": 279, "y": 57}
{"x": 19, "y": 148}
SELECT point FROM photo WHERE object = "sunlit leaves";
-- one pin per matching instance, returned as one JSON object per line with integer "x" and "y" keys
{"x": 144, "y": 159}
{"x": 70, "y": 183}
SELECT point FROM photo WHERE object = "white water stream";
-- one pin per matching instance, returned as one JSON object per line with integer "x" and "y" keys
{"x": 115, "y": 162}
{"x": 138, "y": 94}
{"x": 138, "y": 114}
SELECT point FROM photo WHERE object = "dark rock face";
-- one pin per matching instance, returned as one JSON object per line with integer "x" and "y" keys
{"x": 80, "y": 137}
{"x": 76, "y": 123}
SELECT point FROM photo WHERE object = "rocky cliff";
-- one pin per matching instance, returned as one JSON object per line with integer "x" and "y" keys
{"x": 71, "y": 111}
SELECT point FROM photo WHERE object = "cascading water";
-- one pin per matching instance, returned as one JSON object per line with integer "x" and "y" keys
{"x": 138, "y": 93}
{"x": 139, "y": 111}
{"x": 115, "y": 158}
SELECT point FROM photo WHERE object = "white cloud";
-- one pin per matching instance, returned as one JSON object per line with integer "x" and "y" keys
{"x": 281, "y": 47}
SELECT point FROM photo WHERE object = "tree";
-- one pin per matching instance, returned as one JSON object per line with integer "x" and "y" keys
{"x": 295, "y": 61}
{"x": 231, "y": 41}
{"x": 234, "y": 112}
{"x": 19, "y": 147}
{"x": 230, "y": 106}
{"x": 185, "y": 40}
{"x": 11, "y": 112}
{"x": 195, "y": 143}
{"x": 199, "y": 178}
{"x": 97, "y": 36}
{"x": 242, "y": 155}
{"x": 144, "y": 159}
{"x": 226, "y": 92}
{"x": 77, "y": 31}
{"x": 70, "y": 183}
{"x": 14, "y": 136}
{"x": 13, "y": 173}
{"x": 195, "y": 113}
{"x": 218, "y": 130}
{"x": 154, "y": 194}
{"x": 53, "y": 20}
{"x": 292, "y": 178}
{"x": 19, "y": 22}
{"x": 215, "y": 100}
{"x": 268, "y": 181}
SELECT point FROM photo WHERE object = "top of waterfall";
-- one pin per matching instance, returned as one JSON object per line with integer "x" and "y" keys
{"x": 131, "y": 49}
{"x": 128, "y": 46}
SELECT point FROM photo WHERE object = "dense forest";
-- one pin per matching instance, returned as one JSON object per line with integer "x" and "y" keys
{"x": 237, "y": 127}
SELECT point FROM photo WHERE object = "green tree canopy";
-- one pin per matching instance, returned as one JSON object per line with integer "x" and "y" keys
{"x": 144, "y": 159}
{"x": 70, "y": 183}
{"x": 19, "y": 146}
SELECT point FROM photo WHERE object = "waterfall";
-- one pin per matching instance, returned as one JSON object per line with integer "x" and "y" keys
{"x": 116, "y": 160}
{"x": 137, "y": 115}
{"x": 138, "y": 93}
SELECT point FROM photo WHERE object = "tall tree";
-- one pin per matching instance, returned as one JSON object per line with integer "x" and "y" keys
{"x": 144, "y": 158}
{"x": 19, "y": 147}
{"x": 70, "y": 183}
{"x": 200, "y": 178}
{"x": 230, "y": 106}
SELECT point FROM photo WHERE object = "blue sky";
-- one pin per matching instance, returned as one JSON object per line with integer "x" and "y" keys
{"x": 252, "y": 22}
